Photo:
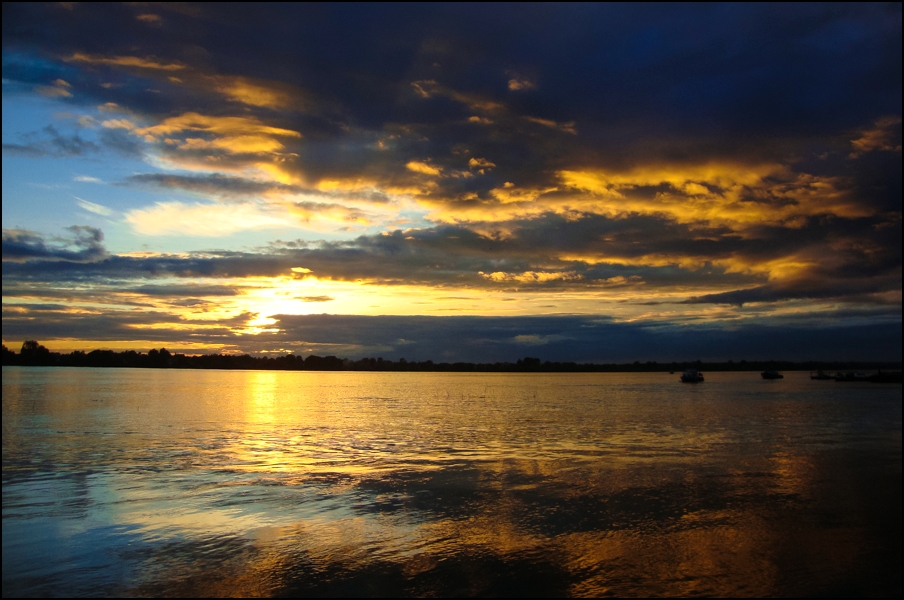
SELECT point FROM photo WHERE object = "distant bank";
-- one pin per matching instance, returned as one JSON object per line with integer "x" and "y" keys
{"x": 34, "y": 354}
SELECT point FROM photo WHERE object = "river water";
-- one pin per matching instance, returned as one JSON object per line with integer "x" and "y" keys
{"x": 225, "y": 483}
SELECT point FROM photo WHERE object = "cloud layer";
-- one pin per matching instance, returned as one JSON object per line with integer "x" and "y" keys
{"x": 707, "y": 163}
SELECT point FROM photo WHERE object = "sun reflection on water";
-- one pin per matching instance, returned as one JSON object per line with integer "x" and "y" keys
{"x": 268, "y": 483}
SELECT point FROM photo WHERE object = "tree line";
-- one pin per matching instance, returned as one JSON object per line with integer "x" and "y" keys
{"x": 33, "y": 353}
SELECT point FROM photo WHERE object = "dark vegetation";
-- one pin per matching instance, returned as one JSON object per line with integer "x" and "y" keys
{"x": 34, "y": 354}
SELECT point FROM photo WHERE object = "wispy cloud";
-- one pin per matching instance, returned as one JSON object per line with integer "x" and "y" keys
{"x": 98, "y": 209}
{"x": 138, "y": 62}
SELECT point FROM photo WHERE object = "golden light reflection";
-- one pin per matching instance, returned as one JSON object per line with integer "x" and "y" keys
{"x": 339, "y": 474}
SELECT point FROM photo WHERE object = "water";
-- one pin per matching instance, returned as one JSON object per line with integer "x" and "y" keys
{"x": 225, "y": 483}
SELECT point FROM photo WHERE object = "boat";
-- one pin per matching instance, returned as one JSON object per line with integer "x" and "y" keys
{"x": 820, "y": 375}
{"x": 691, "y": 376}
{"x": 851, "y": 377}
{"x": 886, "y": 377}
{"x": 772, "y": 375}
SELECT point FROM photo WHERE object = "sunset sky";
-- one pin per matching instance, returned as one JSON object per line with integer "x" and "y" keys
{"x": 455, "y": 182}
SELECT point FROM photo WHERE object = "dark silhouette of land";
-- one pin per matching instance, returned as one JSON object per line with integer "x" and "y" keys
{"x": 34, "y": 354}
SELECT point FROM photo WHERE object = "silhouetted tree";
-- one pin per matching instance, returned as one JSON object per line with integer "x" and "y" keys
{"x": 9, "y": 357}
{"x": 33, "y": 353}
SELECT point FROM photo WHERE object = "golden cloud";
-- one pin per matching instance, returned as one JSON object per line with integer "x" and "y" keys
{"x": 150, "y": 18}
{"x": 126, "y": 61}
{"x": 240, "y": 144}
{"x": 234, "y": 126}
{"x": 531, "y": 276}
{"x": 259, "y": 93}
{"x": 480, "y": 163}
{"x": 881, "y": 137}
{"x": 118, "y": 124}
{"x": 422, "y": 167}
{"x": 516, "y": 84}
{"x": 428, "y": 88}
{"x": 727, "y": 194}
{"x": 566, "y": 127}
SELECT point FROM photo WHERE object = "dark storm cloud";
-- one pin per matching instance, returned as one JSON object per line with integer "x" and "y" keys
{"x": 20, "y": 246}
{"x": 674, "y": 83}
{"x": 372, "y": 91}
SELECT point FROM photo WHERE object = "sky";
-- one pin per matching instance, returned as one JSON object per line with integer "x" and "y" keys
{"x": 586, "y": 182}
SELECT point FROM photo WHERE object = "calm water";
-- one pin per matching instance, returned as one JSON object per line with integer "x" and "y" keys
{"x": 144, "y": 482}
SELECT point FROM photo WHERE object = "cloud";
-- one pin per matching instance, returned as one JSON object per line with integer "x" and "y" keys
{"x": 293, "y": 204}
{"x": 566, "y": 127}
{"x": 84, "y": 244}
{"x": 726, "y": 194}
{"x": 227, "y": 186}
{"x": 642, "y": 254}
{"x": 59, "y": 89}
{"x": 215, "y": 184}
{"x": 120, "y": 142}
{"x": 149, "y": 18}
{"x": 884, "y": 136}
{"x": 98, "y": 209}
{"x": 695, "y": 168}
{"x": 183, "y": 290}
{"x": 422, "y": 167}
{"x": 531, "y": 276}
{"x": 538, "y": 340}
{"x": 50, "y": 142}
{"x": 480, "y": 163}
{"x": 307, "y": 211}
{"x": 467, "y": 339}
{"x": 126, "y": 61}
{"x": 232, "y": 127}
{"x": 204, "y": 220}
{"x": 257, "y": 93}
{"x": 517, "y": 85}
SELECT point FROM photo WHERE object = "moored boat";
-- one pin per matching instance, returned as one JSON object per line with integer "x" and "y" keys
{"x": 691, "y": 376}
{"x": 886, "y": 377}
{"x": 772, "y": 375}
{"x": 852, "y": 377}
{"x": 822, "y": 376}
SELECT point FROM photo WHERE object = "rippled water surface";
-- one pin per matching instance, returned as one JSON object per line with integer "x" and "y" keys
{"x": 147, "y": 482}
